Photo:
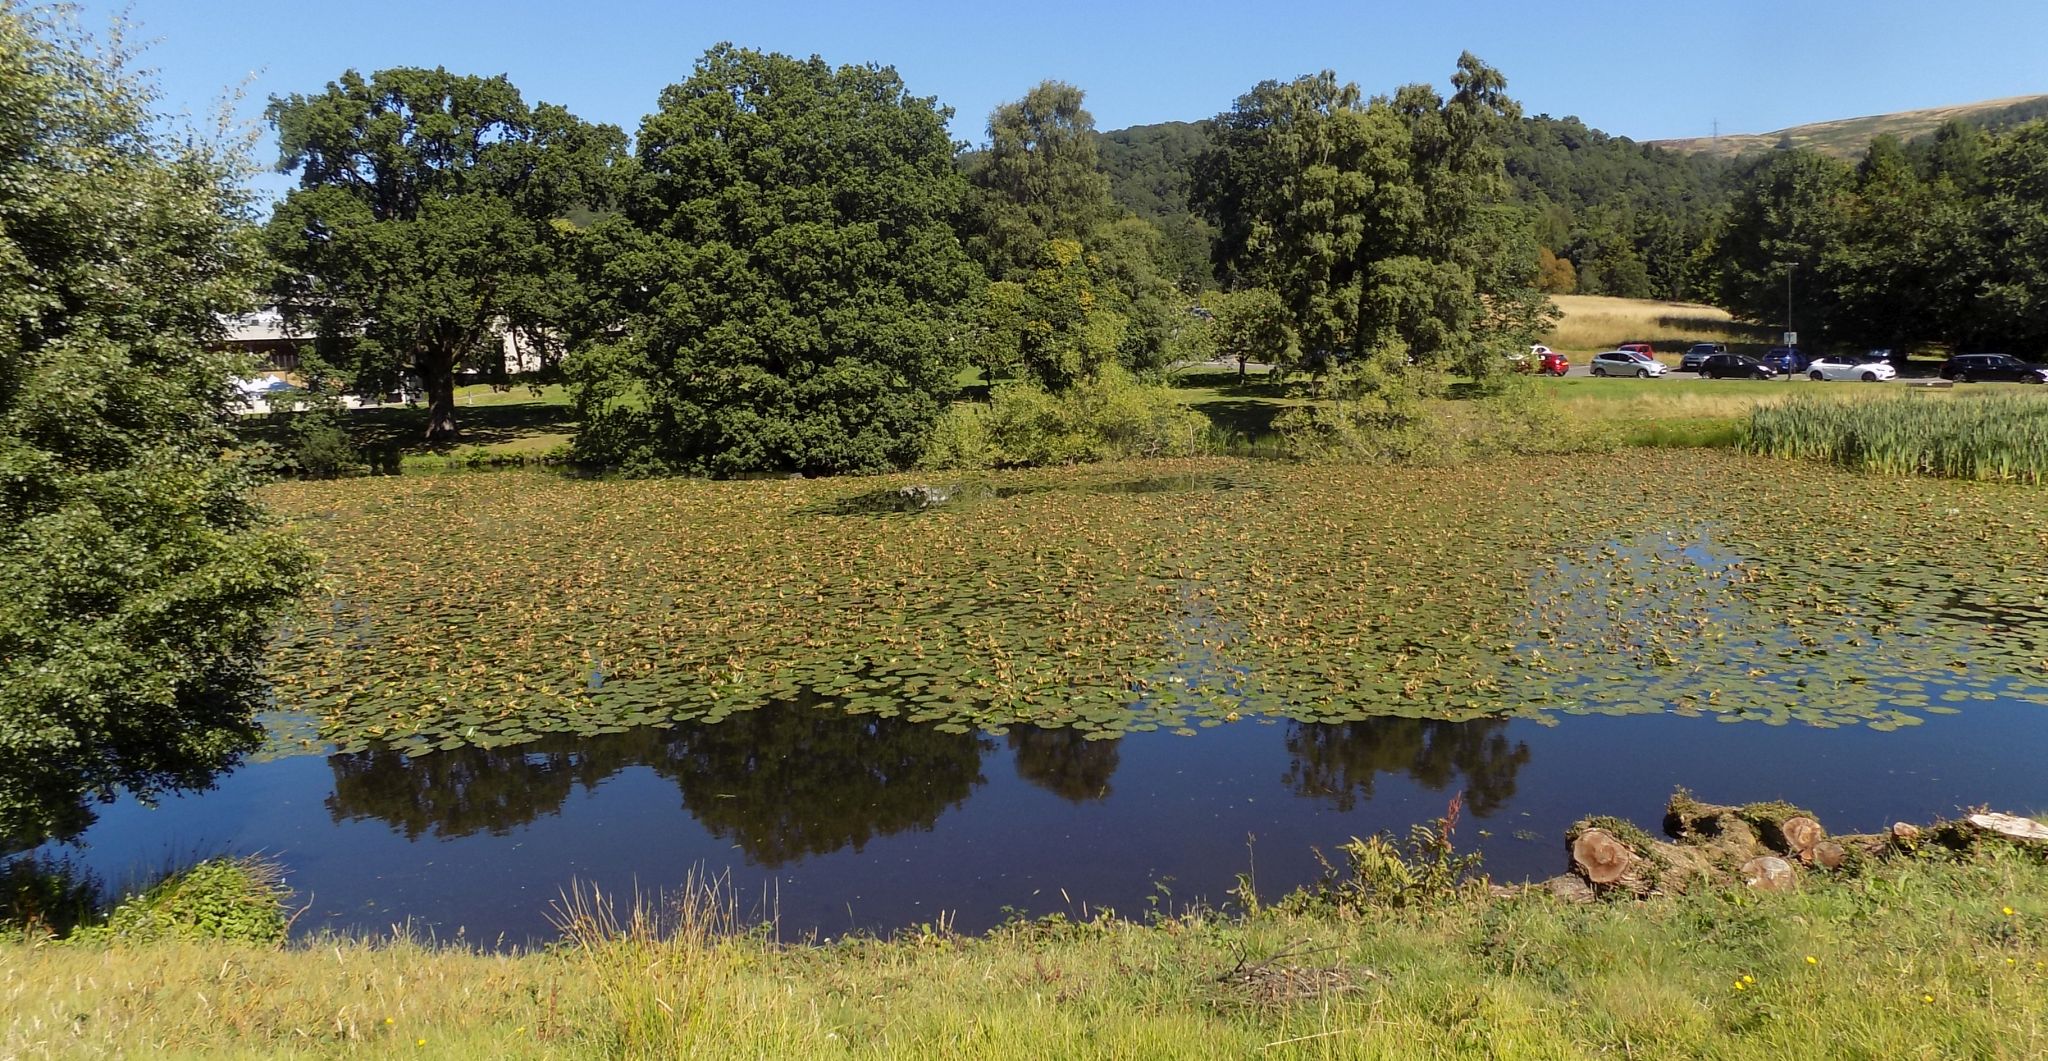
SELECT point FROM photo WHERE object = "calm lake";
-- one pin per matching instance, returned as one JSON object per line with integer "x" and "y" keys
{"x": 1069, "y": 690}
{"x": 832, "y": 822}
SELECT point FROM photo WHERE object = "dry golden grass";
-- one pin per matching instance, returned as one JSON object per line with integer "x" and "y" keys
{"x": 1597, "y": 322}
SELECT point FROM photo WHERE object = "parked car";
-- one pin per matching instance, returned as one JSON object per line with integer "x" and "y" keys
{"x": 1627, "y": 363}
{"x": 1786, "y": 359}
{"x": 1870, "y": 367}
{"x": 1552, "y": 363}
{"x": 1530, "y": 361}
{"x": 1699, "y": 352}
{"x": 1639, "y": 347}
{"x": 1735, "y": 366}
{"x": 1982, "y": 368}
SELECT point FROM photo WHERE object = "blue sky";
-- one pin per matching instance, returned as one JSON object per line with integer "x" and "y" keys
{"x": 1642, "y": 69}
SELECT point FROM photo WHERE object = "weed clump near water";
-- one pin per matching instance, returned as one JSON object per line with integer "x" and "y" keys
{"x": 237, "y": 900}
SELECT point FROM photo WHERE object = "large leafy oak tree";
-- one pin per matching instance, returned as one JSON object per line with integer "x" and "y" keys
{"x": 432, "y": 213}
{"x": 788, "y": 275}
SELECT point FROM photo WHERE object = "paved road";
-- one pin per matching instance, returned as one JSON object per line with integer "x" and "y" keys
{"x": 1582, "y": 371}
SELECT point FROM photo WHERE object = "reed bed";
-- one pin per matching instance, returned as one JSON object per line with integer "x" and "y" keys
{"x": 1993, "y": 437}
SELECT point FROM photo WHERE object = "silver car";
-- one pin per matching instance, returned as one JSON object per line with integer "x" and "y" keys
{"x": 1627, "y": 363}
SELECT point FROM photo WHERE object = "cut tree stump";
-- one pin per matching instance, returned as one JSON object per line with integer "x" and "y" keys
{"x": 1800, "y": 833}
{"x": 1601, "y": 857}
{"x": 2011, "y": 826}
{"x": 1769, "y": 874}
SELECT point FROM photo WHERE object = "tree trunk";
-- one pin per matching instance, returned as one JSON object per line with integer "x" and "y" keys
{"x": 437, "y": 375}
{"x": 1240, "y": 371}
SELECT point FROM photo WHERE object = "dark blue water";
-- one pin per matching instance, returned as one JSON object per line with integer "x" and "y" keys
{"x": 830, "y": 822}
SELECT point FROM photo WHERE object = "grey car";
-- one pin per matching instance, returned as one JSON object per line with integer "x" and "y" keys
{"x": 1627, "y": 363}
{"x": 1698, "y": 353}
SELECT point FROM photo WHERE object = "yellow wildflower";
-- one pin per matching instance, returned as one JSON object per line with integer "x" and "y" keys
{"x": 1811, "y": 960}
{"x": 1927, "y": 998}
{"x": 1748, "y": 979}
{"x": 2009, "y": 911}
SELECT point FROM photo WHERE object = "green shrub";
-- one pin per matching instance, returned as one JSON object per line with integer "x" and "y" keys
{"x": 1104, "y": 416}
{"x": 240, "y": 900}
{"x": 323, "y": 449}
{"x": 1390, "y": 413}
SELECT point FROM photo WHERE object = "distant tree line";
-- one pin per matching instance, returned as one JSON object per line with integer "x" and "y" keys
{"x": 793, "y": 267}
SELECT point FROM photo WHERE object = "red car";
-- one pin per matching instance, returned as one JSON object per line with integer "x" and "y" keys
{"x": 1552, "y": 363}
{"x": 1644, "y": 349}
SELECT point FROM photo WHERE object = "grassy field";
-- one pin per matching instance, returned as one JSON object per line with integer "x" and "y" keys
{"x": 1593, "y": 323}
{"x": 1919, "y": 957}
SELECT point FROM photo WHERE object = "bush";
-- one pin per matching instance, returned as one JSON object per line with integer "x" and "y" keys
{"x": 323, "y": 449}
{"x": 1376, "y": 412}
{"x": 1105, "y": 416}
{"x": 236, "y": 899}
{"x": 1390, "y": 413}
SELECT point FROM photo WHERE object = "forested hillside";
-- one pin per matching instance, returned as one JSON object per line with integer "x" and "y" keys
{"x": 1627, "y": 218}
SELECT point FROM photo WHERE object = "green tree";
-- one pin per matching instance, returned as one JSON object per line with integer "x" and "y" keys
{"x": 1068, "y": 330}
{"x": 2012, "y": 307}
{"x": 1252, "y": 325}
{"x": 431, "y": 213}
{"x": 1039, "y": 182}
{"x": 1376, "y": 220}
{"x": 139, "y": 580}
{"x": 1783, "y": 223}
{"x": 791, "y": 278}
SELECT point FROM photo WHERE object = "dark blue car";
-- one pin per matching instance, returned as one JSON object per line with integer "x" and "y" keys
{"x": 1787, "y": 359}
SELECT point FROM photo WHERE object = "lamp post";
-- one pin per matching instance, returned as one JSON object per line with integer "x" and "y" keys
{"x": 1789, "y": 266}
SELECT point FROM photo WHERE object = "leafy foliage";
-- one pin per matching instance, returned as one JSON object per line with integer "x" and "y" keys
{"x": 138, "y": 578}
{"x": 789, "y": 275}
{"x": 1107, "y": 415}
{"x": 1039, "y": 194}
{"x": 1382, "y": 872}
{"x": 1380, "y": 223}
{"x": 1936, "y": 242}
{"x": 239, "y": 900}
{"x": 432, "y": 215}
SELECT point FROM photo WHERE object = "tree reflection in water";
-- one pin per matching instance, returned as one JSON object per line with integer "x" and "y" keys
{"x": 1065, "y": 762}
{"x": 1339, "y": 761}
{"x": 782, "y": 782}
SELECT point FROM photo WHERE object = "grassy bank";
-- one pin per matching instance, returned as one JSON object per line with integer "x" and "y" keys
{"x": 1919, "y": 957}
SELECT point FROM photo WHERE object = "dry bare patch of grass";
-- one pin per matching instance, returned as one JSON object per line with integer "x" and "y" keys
{"x": 1598, "y": 322}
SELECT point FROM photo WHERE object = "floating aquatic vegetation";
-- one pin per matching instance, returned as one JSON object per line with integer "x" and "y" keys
{"x": 492, "y": 610}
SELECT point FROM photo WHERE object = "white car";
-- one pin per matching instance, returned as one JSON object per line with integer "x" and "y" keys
{"x": 1870, "y": 368}
{"x": 1627, "y": 363}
